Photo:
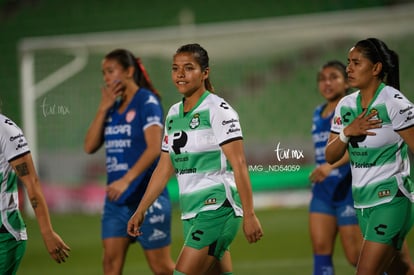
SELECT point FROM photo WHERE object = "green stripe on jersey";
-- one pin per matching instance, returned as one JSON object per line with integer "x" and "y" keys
{"x": 202, "y": 162}
{"x": 369, "y": 157}
{"x": 199, "y": 120}
{"x": 374, "y": 193}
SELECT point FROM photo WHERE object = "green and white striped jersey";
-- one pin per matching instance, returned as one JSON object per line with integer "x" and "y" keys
{"x": 12, "y": 145}
{"x": 193, "y": 140}
{"x": 380, "y": 163}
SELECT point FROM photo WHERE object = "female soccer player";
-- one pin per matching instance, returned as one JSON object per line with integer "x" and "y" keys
{"x": 16, "y": 162}
{"x": 331, "y": 207}
{"x": 129, "y": 123}
{"x": 203, "y": 146}
{"x": 375, "y": 125}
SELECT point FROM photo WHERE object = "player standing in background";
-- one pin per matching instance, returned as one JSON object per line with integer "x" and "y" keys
{"x": 203, "y": 146}
{"x": 376, "y": 126}
{"x": 331, "y": 207}
{"x": 16, "y": 163}
{"x": 129, "y": 124}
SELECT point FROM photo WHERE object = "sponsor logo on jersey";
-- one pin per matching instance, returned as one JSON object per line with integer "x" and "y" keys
{"x": 337, "y": 120}
{"x": 157, "y": 235}
{"x": 402, "y": 111}
{"x": 152, "y": 119}
{"x": 384, "y": 193}
{"x": 345, "y": 117}
{"x": 363, "y": 164}
{"x": 156, "y": 219}
{"x": 233, "y": 129}
{"x": 186, "y": 171}
{"x": 130, "y": 115}
{"x": 152, "y": 100}
{"x": 321, "y": 136}
{"x": 118, "y": 129}
{"x": 349, "y": 211}
{"x": 210, "y": 201}
{"x": 112, "y": 165}
{"x": 195, "y": 121}
{"x": 19, "y": 136}
{"x": 410, "y": 114}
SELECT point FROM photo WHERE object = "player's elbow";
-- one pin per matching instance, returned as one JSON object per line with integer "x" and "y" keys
{"x": 331, "y": 157}
{"x": 89, "y": 149}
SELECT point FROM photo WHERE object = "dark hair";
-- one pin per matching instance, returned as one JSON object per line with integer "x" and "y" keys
{"x": 377, "y": 51}
{"x": 337, "y": 65}
{"x": 126, "y": 59}
{"x": 201, "y": 57}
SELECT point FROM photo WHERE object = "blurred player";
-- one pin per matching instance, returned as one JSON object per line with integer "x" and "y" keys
{"x": 16, "y": 163}
{"x": 129, "y": 124}
{"x": 332, "y": 207}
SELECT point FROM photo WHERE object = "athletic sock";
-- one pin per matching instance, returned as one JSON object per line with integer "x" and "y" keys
{"x": 322, "y": 265}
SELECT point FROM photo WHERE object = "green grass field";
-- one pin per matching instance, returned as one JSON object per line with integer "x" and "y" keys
{"x": 285, "y": 248}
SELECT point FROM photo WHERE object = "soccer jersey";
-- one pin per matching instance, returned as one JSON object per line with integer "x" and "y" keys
{"x": 193, "y": 140}
{"x": 125, "y": 141}
{"x": 337, "y": 185}
{"x": 12, "y": 145}
{"x": 380, "y": 164}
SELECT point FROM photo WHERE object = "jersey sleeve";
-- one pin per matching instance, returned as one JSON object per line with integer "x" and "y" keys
{"x": 12, "y": 143}
{"x": 225, "y": 123}
{"x": 401, "y": 112}
{"x": 164, "y": 145}
{"x": 151, "y": 112}
{"x": 337, "y": 124}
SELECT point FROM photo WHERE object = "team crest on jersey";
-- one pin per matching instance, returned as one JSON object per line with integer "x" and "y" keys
{"x": 195, "y": 121}
{"x": 130, "y": 115}
{"x": 373, "y": 110}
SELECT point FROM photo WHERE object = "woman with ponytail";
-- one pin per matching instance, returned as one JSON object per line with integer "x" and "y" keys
{"x": 375, "y": 125}
{"x": 129, "y": 123}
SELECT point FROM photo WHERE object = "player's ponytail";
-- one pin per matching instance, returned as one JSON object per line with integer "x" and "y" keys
{"x": 126, "y": 59}
{"x": 144, "y": 79}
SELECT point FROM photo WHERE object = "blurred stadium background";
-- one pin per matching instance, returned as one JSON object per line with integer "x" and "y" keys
{"x": 264, "y": 58}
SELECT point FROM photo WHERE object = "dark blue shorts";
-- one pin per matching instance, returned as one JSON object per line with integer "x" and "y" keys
{"x": 344, "y": 212}
{"x": 156, "y": 227}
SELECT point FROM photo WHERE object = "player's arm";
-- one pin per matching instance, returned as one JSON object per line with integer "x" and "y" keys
{"x": 158, "y": 182}
{"x": 26, "y": 172}
{"x": 153, "y": 137}
{"x": 360, "y": 126}
{"x": 322, "y": 171}
{"x": 234, "y": 152}
{"x": 408, "y": 137}
{"x": 95, "y": 135}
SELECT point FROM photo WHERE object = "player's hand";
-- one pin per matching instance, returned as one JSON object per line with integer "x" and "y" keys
{"x": 56, "y": 247}
{"x": 252, "y": 228}
{"x": 116, "y": 189}
{"x": 320, "y": 173}
{"x": 109, "y": 93}
{"x": 134, "y": 224}
{"x": 361, "y": 125}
